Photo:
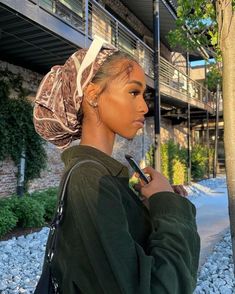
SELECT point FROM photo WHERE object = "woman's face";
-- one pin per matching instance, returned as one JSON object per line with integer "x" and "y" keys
{"x": 122, "y": 106}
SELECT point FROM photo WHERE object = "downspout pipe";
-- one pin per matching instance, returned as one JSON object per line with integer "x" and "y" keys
{"x": 21, "y": 173}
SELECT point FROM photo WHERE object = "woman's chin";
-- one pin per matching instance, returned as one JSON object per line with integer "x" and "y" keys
{"x": 131, "y": 135}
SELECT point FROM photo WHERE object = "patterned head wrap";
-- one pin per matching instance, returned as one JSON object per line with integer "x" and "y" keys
{"x": 60, "y": 94}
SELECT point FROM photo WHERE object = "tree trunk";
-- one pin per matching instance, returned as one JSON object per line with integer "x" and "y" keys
{"x": 227, "y": 46}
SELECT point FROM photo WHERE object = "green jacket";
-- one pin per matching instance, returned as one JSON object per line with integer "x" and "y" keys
{"x": 109, "y": 242}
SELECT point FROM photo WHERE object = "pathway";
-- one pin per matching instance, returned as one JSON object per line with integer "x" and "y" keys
{"x": 212, "y": 218}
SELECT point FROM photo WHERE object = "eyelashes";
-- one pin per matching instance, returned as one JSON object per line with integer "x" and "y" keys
{"x": 137, "y": 92}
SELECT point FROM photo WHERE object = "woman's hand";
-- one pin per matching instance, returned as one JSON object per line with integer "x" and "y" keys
{"x": 157, "y": 183}
{"x": 179, "y": 189}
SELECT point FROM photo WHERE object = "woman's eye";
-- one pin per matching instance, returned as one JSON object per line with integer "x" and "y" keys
{"x": 134, "y": 93}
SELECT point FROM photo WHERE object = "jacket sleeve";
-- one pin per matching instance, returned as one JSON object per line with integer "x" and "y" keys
{"x": 119, "y": 264}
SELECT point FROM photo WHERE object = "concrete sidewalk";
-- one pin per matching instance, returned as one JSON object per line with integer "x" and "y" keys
{"x": 212, "y": 219}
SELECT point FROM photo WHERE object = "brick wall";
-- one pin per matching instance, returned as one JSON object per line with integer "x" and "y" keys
{"x": 50, "y": 176}
{"x": 8, "y": 179}
{"x": 31, "y": 79}
{"x": 178, "y": 132}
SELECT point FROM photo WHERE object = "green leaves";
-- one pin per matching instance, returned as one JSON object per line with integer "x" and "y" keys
{"x": 213, "y": 78}
{"x": 196, "y": 25}
{"x": 28, "y": 211}
{"x": 16, "y": 126}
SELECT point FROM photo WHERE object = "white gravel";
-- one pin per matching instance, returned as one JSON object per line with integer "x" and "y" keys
{"x": 21, "y": 262}
{"x": 21, "y": 259}
{"x": 216, "y": 275}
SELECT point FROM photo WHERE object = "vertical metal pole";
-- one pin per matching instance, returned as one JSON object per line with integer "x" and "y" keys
{"x": 208, "y": 141}
{"x": 157, "y": 97}
{"x": 189, "y": 146}
{"x": 189, "y": 126}
{"x": 86, "y": 21}
{"x": 116, "y": 34}
{"x": 216, "y": 130}
{"x": 143, "y": 143}
{"x": 206, "y": 86}
{"x": 207, "y": 123}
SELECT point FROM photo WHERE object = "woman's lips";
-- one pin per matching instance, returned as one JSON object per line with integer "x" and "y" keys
{"x": 139, "y": 123}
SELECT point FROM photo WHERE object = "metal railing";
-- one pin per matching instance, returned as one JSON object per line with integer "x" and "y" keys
{"x": 178, "y": 80}
{"x": 104, "y": 24}
{"x": 70, "y": 11}
{"x": 91, "y": 18}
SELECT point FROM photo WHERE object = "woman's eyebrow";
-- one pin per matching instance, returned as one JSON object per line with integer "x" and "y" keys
{"x": 136, "y": 82}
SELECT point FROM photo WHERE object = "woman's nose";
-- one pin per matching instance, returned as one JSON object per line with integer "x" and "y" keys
{"x": 143, "y": 106}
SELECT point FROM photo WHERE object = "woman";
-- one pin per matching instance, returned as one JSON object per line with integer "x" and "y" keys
{"x": 109, "y": 241}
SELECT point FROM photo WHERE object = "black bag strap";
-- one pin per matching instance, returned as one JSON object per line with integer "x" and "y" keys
{"x": 59, "y": 213}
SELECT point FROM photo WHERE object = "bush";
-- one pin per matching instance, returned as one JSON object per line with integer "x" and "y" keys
{"x": 165, "y": 160}
{"x": 172, "y": 154}
{"x": 29, "y": 212}
{"x": 199, "y": 162}
{"x": 174, "y": 161}
{"x": 47, "y": 198}
{"x": 8, "y": 220}
{"x": 149, "y": 156}
{"x": 178, "y": 172}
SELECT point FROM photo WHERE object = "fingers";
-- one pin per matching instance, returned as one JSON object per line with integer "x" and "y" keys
{"x": 136, "y": 175}
{"x": 179, "y": 189}
{"x": 137, "y": 187}
{"x": 150, "y": 171}
{"x": 157, "y": 183}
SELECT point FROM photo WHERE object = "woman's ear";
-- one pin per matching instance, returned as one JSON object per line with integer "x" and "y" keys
{"x": 91, "y": 90}
{"x": 91, "y": 94}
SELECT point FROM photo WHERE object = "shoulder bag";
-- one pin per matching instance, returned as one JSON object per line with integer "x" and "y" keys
{"x": 47, "y": 283}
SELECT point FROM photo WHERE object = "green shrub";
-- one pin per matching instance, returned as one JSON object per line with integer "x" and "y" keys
{"x": 183, "y": 157}
{"x": 8, "y": 220}
{"x": 10, "y": 202}
{"x": 172, "y": 154}
{"x": 165, "y": 160}
{"x": 50, "y": 208}
{"x": 178, "y": 172}
{"x": 47, "y": 198}
{"x": 199, "y": 161}
{"x": 29, "y": 212}
{"x": 174, "y": 161}
{"x": 149, "y": 156}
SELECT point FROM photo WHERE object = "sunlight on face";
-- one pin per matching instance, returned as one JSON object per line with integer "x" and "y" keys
{"x": 122, "y": 106}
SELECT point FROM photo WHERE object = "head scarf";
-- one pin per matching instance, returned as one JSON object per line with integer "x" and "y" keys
{"x": 60, "y": 94}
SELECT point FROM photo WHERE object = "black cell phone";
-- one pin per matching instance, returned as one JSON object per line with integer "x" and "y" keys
{"x": 136, "y": 167}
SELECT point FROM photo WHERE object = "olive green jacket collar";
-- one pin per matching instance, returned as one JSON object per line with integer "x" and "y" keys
{"x": 81, "y": 152}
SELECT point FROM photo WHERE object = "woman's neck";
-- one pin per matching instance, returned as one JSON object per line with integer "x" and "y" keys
{"x": 97, "y": 137}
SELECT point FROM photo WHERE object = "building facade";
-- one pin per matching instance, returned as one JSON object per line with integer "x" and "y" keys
{"x": 37, "y": 34}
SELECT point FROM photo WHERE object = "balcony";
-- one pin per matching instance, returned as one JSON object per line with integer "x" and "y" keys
{"x": 89, "y": 18}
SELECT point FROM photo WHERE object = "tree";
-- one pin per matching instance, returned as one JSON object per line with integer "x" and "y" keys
{"x": 211, "y": 24}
